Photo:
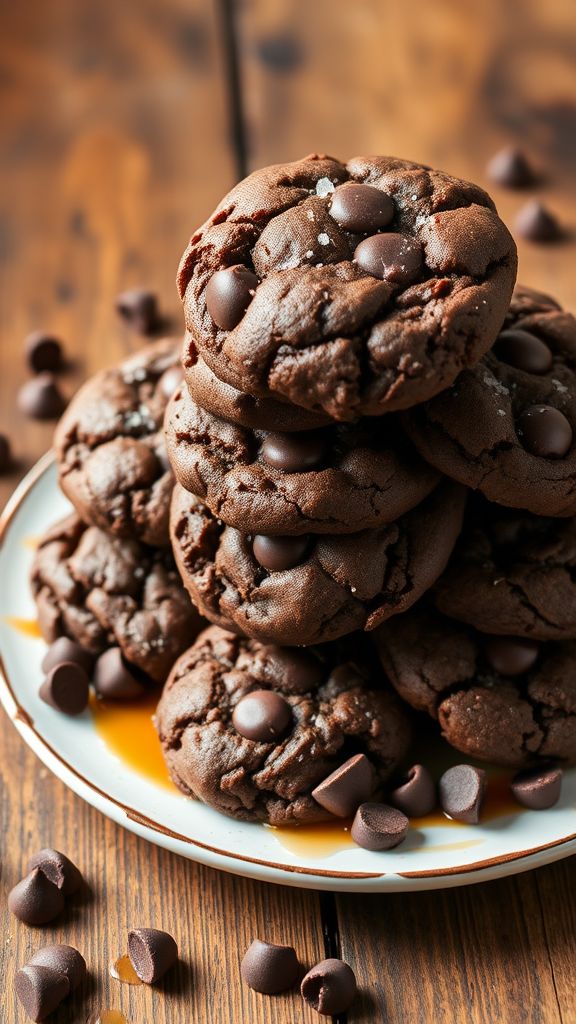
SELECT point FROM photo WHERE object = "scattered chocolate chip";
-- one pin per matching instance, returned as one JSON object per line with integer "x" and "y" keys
{"x": 40, "y": 398}
{"x": 152, "y": 953}
{"x": 5, "y": 454}
{"x": 295, "y": 453}
{"x": 58, "y": 869}
{"x": 263, "y": 716}
{"x": 64, "y": 649}
{"x": 139, "y": 308}
{"x": 40, "y": 990}
{"x": 545, "y": 432}
{"x": 43, "y": 352}
{"x": 524, "y": 351}
{"x": 279, "y": 553}
{"x": 62, "y": 960}
{"x": 416, "y": 794}
{"x": 268, "y": 968}
{"x": 510, "y": 168}
{"x": 391, "y": 257}
{"x": 537, "y": 788}
{"x": 461, "y": 790}
{"x": 379, "y": 827}
{"x": 229, "y": 293}
{"x": 36, "y": 900}
{"x": 170, "y": 380}
{"x": 113, "y": 678}
{"x": 510, "y": 655}
{"x": 537, "y": 224}
{"x": 330, "y": 987}
{"x": 350, "y": 785}
{"x": 66, "y": 688}
{"x": 360, "y": 208}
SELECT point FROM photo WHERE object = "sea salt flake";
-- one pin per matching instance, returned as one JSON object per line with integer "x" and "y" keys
{"x": 324, "y": 187}
{"x": 323, "y": 238}
{"x": 559, "y": 386}
{"x": 309, "y": 254}
{"x": 310, "y": 214}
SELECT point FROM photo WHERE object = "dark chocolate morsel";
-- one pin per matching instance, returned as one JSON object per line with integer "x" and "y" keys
{"x": 378, "y": 826}
{"x": 40, "y": 398}
{"x": 64, "y": 649}
{"x": 295, "y": 453}
{"x": 113, "y": 678}
{"x": 66, "y": 688}
{"x": 58, "y": 869}
{"x": 279, "y": 553}
{"x": 43, "y": 352}
{"x": 350, "y": 785}
{"x": 461, "y": 790}
{"x": 170, "y": 380}
{"x": 298, "y": 668}
{"x": 416, "y": 794}
{"x": 536, "y": 223}
{"x": 152, "y": 953}
{"x": 263, "y": 716}
{"x": 537, "y": 788}
{"x": 5, "y": 454}
{"x": 391, "y": 257}
{"x": 330, "y": 987}
{"x": 139, "y": 308}
{"x": 545, "y": 432}
{"x": 36, "y": 900}
{"x": 524, "y": 351}
{"x": 510, "y": 655}
{"x": 40, "y": 990}
{"x": 361, "y": 208}
{"x": 268, "y": 968}
{"x": 510, "y": 168}
{"x": 229, "y": 293}
{"x": 62, "y": 960}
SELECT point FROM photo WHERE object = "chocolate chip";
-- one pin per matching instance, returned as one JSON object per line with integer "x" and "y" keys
{"x": 229, "y": 293}
{"x": 295, "y": 453}
{"x": 64, "y": 649}
{"x": 279, "y": 553}
{"x": 378, "y": 827}
{"x": 170, "y": 380}
{"x": 43, "y": 352}
{"x": 5, "y": 454}
{"x": 350, "y": 785}
{"x": 545, "y": 432}
{"x": 524, "y": 351}
{"x": 330, "y": 987}
{"x": 537, "y": 788}
{"x": 62, "y": 960}
{"x": 391, "y": 257}
{"x": 58, "y": 869}
{"x": 139, "y": 308}
{"x": 461, "y": 790}
{"x": 66, "y": 688}
{"x": 361, "y": 208}
{"x": 510, "y": 655}
{"x": 299, "y": 670}
{"x": 41, "y": 399}
{"x": 511, "y": 168}
{"x": 416, "y": 794}
{"x": 113, "y": 678}
{"x": 40, "y": 990}
{"x": 536, "y": 223}
{"x": 263, "y": 716}
{"x": 268, "y": 968}
{"x": 152, "y": 953}
{"x": 35, "y": 900}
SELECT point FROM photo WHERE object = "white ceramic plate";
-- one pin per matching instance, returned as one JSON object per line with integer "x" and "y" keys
{"x": 436, "y": 855}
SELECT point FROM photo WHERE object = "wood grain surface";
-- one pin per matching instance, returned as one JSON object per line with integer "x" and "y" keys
{"x": 122, "y": 124}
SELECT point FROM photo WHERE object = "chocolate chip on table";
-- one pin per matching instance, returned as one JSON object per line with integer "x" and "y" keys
{"x": 170, "y": 380}
{"x": 360, "y": 208}
{"x": 5, "y": 454}
{"x": 139, "y": 308}
{"x": 330, "y": 987}
{"x": 40, "y": 990}
{"x": 379, "y": 827}
{"x": 40, "y": 398}
{"x": 36, "y": 900}
{"x": 523, "y": 350}
{"x": 262, "y": 716}
{"x": 545, "y": 432}
{"x": 538, "y": 224}
{"x": 295, "y": 453}
{"x": 62, "y": 960}
{"x": 152, "y": 953}
{"x": 461, "y": 790}
{"x": 64, "y": 649}
{"x": 66, "y": 688}
{"x": 537, "y": 788}
{"x": 229, "y": 293}
{"x": 391, "y": 257}
{"x": 268, "y": 968}
{"x": 279, "y": 553}
{"x": 416, "y": 793}
{"x": 511, "y": 168}
{"x": 510, "y": 655}
{"x": 113, "y": 677}
{"x": 58, "y": 868}
{"x": 43, "y": 352}
{"x": 350, "y": 785}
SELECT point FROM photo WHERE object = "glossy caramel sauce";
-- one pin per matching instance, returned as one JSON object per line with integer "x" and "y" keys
{"x": 107, "y": 1017}
{"x": 122, "y": 970}
{"x": 128, "y": 731}
{"x": 30, "y": 627}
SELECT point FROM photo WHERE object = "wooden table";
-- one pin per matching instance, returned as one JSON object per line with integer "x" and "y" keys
{"x": 122, "y": 124}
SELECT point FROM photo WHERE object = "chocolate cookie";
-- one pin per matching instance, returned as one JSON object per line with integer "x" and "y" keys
{"x": 110, "y": 449}
{"x": 102, "y": 590}
{"x": 340, "y": 479}
{"x": 507, "y": 426}
{"x": 501, "y": 699}
{"x": 309, "y": 589}
{"x": 349, "y": 289}
{"x": 331, "y": 708}
{"x": 513, "y": 574}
